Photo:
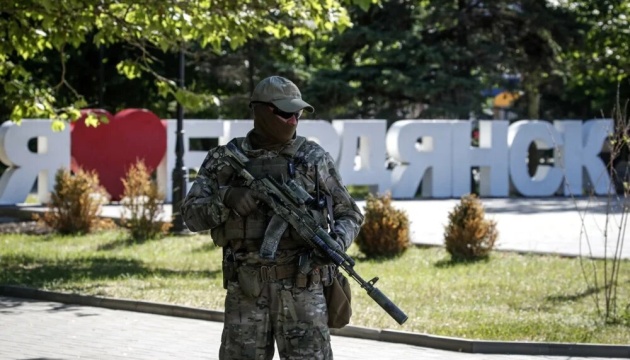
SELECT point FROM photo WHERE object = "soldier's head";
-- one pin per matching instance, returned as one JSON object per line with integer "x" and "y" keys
{"x": 277, "y": 106}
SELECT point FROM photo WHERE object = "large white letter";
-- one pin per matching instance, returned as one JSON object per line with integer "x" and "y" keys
{"x": 595, "y": 133}
{"x": 461, "y": 177}
{"x": 428, "y": 160}
{"x": 365, "y": 165}
{"x": 491, "y": 156}
{"x": 547, "y": 179}
{"x": 569, "y": 156}
{"x": 323, "y": 133}
{"x": 235, "y": 128}
{"x": 193, "y": 129}
{"x": 53, "y": 153}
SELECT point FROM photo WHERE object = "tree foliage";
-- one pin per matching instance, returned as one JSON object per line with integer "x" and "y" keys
{"x": 434, "y": 59}
{"x": 42, "y": 28}
{"x": 391, "y": 59}
{"x": 599, "y": 66}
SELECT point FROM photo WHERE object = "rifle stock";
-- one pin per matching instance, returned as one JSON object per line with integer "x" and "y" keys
{"x": 289, "y": 202}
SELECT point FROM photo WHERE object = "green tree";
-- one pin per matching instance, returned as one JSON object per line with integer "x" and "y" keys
{"x": 37, "y": 29}
{"x": 599, "y": 64}
{"x": 432, "y": 59}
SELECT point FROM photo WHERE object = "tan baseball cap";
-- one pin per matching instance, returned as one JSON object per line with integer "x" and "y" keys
{"x": 281, "y": 92}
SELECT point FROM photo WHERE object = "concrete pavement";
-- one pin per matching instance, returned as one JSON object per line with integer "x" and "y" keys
{"x": 32, "y": 329}
{"x": 565, "y": 226}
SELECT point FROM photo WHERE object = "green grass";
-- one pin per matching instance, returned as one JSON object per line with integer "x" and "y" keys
{"x": 508, "y": 297}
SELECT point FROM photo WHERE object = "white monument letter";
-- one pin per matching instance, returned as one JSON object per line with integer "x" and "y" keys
{"x": 193, "y": 129}
{"x": 491, "y": 157}
{"x": 53, "y": 153}
{"x": 424, "y": 149}
{"x": 569, "y": 156}
{"x": 235, "y": 128}
{"x": 595, "y": 132}
{"x": 323, "y": 133}
{"x": 547, "y": 179}
{"x": 363, "y": 153}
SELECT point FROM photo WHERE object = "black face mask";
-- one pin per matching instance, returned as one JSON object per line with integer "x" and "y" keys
{"x": 269, "y": 130}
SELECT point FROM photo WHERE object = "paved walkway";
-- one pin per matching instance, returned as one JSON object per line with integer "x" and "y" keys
{"x": 41, "y": 330}
{"x": 551, "y": 225}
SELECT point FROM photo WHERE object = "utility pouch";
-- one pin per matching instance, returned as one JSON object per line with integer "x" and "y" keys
{"x": 249, "y": 281}
{"x": 228, "y": 266}
{"x": 338, "y": 300}
{"x": 228, "y": 272}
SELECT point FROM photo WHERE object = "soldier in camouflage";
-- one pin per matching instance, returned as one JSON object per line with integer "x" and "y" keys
{"x": 280, "y": 298}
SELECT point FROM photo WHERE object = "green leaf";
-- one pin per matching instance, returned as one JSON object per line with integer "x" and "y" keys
{"x": 129, "y": 68}
{"x": 365, "y": 4}
{"x": 91, "y": 120}
{"x": 58, "y": 125}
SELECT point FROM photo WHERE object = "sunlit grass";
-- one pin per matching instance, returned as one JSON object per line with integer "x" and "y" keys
{"x": 507, "y": 297}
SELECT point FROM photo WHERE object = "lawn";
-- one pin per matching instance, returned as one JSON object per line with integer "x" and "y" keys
{"x": 510, "y": 296}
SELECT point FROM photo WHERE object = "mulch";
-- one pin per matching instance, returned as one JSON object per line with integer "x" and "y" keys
{"x": 18, "y": 226}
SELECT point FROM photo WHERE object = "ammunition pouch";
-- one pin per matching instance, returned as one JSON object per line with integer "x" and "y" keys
{"x": 338, "y": 301}
{"x": 229, "y": 272}
{"x": 252, "y": 230}
{"x": 251, "y": 279}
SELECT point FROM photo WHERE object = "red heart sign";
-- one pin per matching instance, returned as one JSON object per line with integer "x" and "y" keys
{"x": 111, "y": 149}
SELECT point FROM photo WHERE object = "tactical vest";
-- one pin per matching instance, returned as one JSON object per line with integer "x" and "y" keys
{"x": 248, "y": 232}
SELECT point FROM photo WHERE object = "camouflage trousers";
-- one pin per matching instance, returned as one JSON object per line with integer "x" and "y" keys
{"x": 296, "y": 318}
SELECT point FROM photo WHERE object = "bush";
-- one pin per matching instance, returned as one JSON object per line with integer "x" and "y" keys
{"x": 142, "y": 204}
{"x": 468, "y": 235}
{"x": 358, "y": 191}
{"x": 385, "y": 231}
{"x": 76, "y": 204}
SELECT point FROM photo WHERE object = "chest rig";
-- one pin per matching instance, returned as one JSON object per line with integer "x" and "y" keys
{"x": 248, "y": 233}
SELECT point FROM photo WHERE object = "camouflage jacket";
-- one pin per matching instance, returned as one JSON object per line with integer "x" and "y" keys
{"x": 203, "y": 207}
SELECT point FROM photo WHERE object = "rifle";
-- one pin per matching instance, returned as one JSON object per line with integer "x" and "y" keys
{"x": 289, "y": 201}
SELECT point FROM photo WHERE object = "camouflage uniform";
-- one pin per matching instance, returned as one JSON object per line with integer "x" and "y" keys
{"x": 267, "y": 299}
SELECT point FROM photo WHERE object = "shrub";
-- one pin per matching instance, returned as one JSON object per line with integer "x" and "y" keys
{"x": 142, "y": 204}
{"x": 358, "y": 191}
{"x": 385, "y": 231}
{"x": 468, "y": 235}
{"x": 75, "y": 203}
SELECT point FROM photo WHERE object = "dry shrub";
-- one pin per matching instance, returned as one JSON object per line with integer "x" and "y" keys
{"x": 76, "y": 204}
{"x": 385, "y": 232}
{"x": 468, "y": 235}
{"x": 143, "y": 204}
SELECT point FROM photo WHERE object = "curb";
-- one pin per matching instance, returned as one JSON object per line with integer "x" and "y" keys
{"x": 18, "y": 212}
{"x": 392, "y": 336}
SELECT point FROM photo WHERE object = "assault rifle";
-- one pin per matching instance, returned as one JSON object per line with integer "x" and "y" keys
{"x": 290, "y": 201}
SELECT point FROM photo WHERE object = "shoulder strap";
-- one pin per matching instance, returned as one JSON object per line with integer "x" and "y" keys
{"x": 290, "y": 151}
{"x": 238, "y": 141}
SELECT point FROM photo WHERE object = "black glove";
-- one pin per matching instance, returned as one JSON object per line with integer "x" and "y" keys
{"x": 241, "y": 199}
{"x": 338, "y": 239}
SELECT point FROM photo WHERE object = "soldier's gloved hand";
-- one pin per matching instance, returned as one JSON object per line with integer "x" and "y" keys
{"x": 339, "y": 239}
{"x": 240, "y": 199}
